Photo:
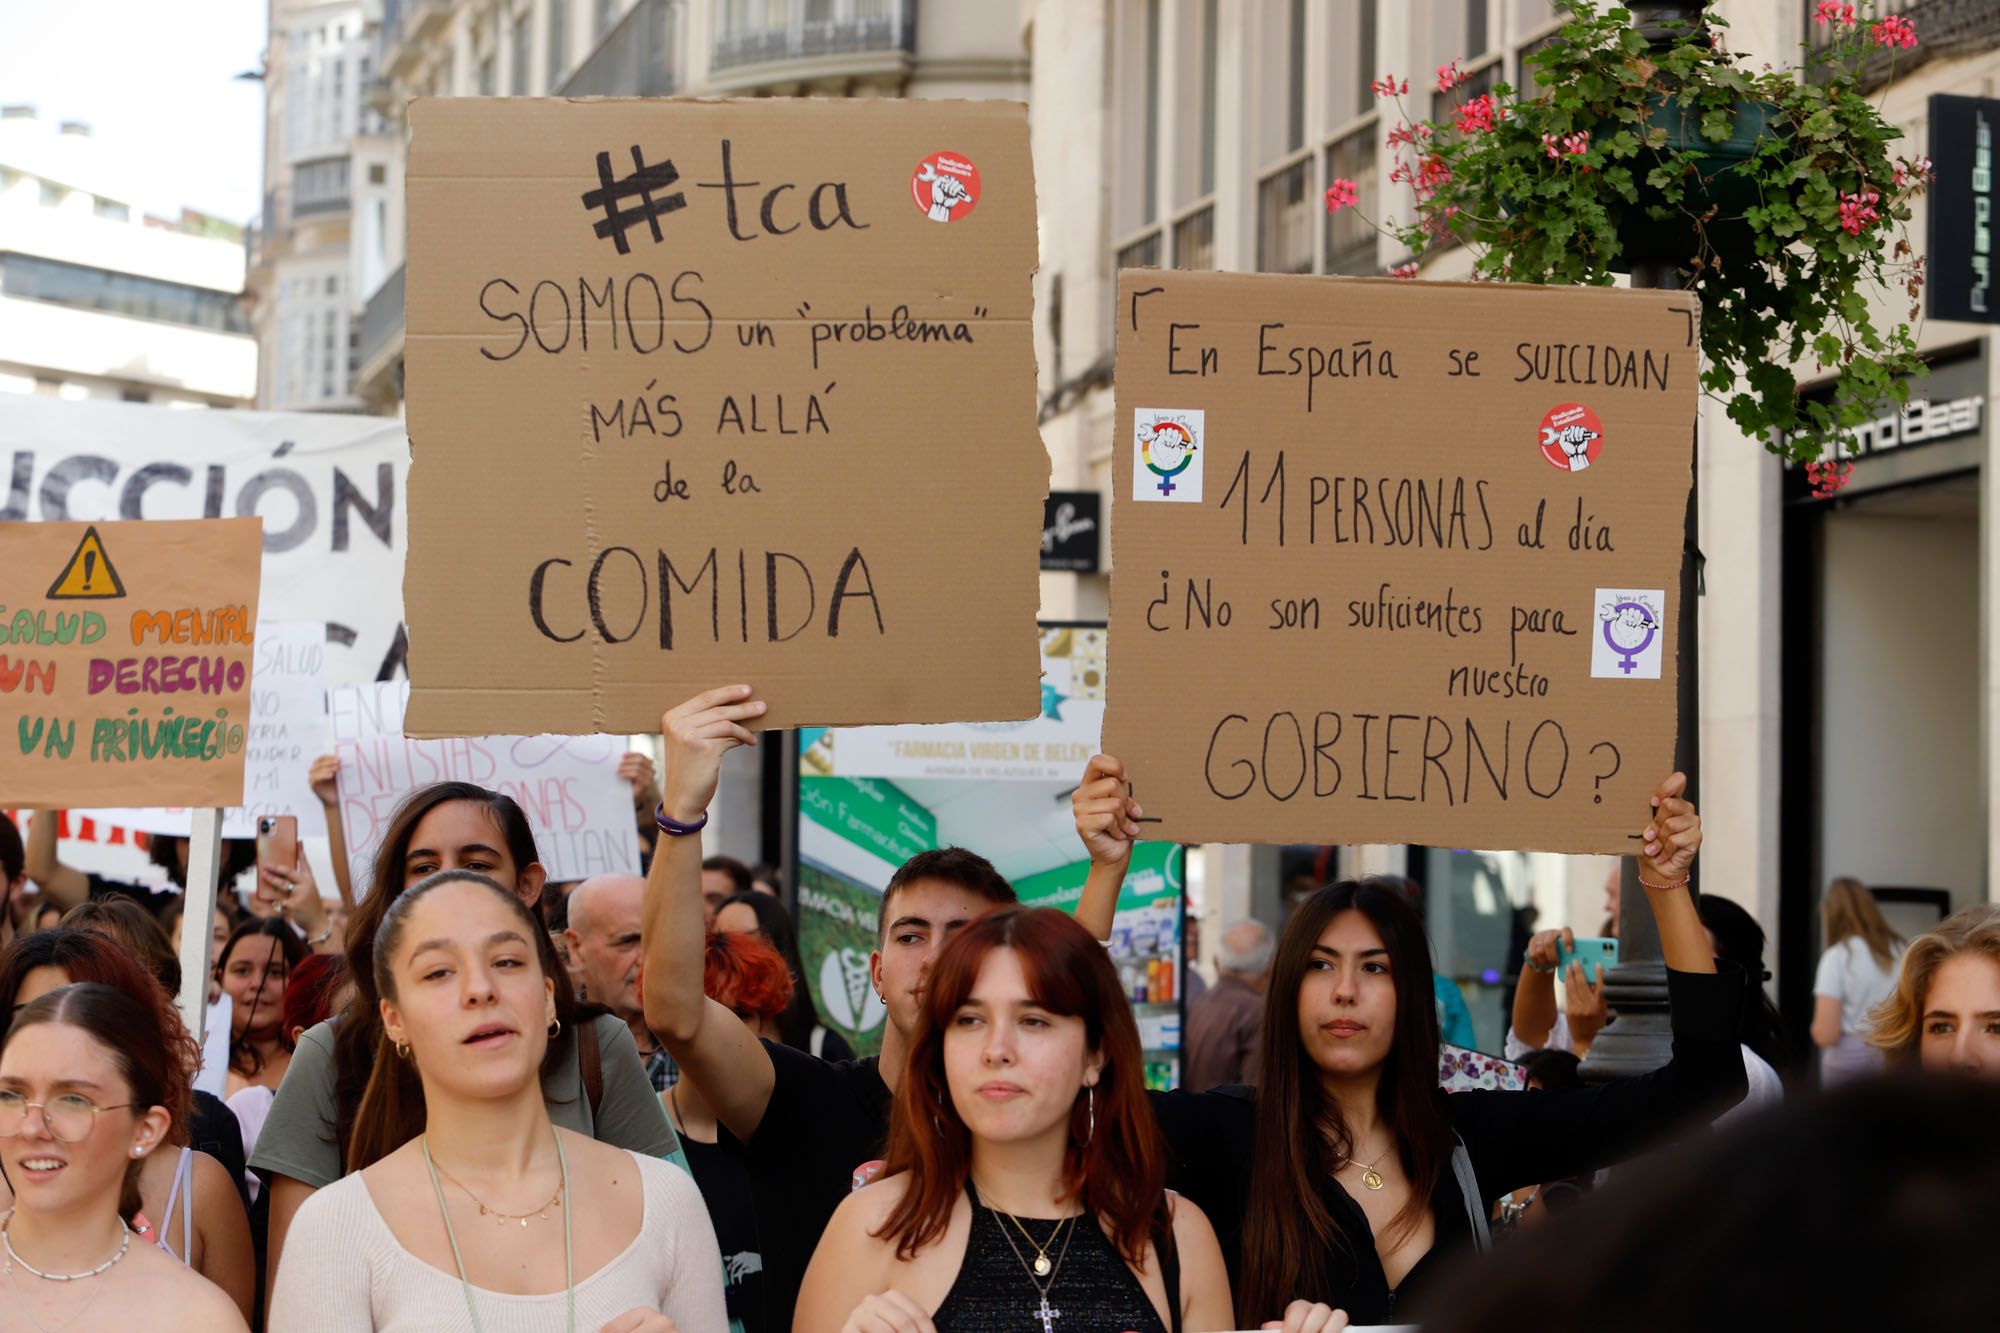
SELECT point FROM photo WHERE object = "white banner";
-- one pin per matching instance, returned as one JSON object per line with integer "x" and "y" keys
{"x": 330, "y": 490}
{"x": 581, "y": 810}
{"x": 1050, "y": 748}
{"x": 287, "y": 732}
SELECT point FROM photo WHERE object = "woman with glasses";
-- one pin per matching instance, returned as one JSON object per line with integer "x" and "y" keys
{"x": 193, "y": 1209}
{"x": 92, "y": 1079}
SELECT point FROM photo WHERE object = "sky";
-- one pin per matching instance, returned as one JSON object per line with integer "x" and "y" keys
{"x": 156, "y": 81}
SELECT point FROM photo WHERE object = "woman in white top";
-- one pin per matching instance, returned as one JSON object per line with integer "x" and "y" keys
{"x": 92, "y": 1080}
{"x": 1856, "y": 973}
{"x": 492, "y": 1220}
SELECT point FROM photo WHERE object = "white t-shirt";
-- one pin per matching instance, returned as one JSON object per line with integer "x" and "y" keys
{"x": 1849, "y": 973}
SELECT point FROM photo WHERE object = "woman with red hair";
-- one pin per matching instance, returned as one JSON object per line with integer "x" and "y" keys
{"x": 1025, "y": 1179}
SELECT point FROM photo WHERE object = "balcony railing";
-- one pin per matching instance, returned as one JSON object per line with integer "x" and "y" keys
{"x": 1141, "y": 253}
{"x": 1194, "y": 239}
{"x": 1285, "y": 219}
{"x": 855, "y": 27}
{"x": 1944, "y": 27}
{"x": 1350, "y": 240}
{"x": 635, "y": 59}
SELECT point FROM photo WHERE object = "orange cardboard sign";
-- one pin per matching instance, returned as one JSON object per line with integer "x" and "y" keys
{"x": 125, "y": 659}
{"x": 1398, "y": 562}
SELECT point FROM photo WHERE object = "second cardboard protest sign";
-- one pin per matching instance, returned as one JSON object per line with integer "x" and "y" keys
{"x": 126, "y": 652}
{"x": 1397, "y": 562}
{"x": 703, "y": 392}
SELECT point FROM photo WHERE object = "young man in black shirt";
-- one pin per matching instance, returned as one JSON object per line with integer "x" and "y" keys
{"x": 808, "y": 1125}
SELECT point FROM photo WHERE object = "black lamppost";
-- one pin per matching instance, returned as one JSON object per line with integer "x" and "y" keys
{"x": 1640, "y": 1039}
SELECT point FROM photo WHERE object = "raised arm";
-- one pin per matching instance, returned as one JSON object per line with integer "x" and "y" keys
{"x": 1107, "y": 821}
{"x": 709, "y": 1043}
{"x": 325, "y": 778}
{"x": 1535, "y": 993}
{"x": 60, "y": 884}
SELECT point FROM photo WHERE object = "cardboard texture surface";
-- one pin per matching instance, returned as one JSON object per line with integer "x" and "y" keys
{"x": 126, "y": 652}
{"x": 1428, "y": 593}
{"x": 706, "y": 392}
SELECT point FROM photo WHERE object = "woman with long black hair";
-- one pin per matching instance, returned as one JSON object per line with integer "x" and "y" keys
{"x": 1348, "y": 1174}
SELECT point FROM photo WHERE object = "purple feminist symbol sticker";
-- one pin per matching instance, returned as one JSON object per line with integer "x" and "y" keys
{"x": 1636, "y": 615}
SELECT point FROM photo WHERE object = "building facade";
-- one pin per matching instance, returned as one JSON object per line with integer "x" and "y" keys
{"x": 331, "y": 201}
{"x": 98, "y": 300}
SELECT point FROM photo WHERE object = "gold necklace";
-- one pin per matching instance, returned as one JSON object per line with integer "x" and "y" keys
{"x": 555, "y": 1201}
{"x": 1041, "y": 1267}
{"x": 1369, "y": 1175}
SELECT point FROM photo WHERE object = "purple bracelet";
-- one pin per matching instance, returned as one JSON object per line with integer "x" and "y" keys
{"x": 673, "y": 828}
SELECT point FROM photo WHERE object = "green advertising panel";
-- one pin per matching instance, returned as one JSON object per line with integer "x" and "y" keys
{"x": 836, "y": 937}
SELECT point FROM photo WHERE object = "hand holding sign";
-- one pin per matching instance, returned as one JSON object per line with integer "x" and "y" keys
{"x": 1106, "y": 815}
{"x": 697, "y": 734}
{"x": 1674, "y": 835}
{"x": 1308, "y": 1317}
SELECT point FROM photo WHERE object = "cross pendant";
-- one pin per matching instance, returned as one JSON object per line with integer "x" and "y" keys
{"x": 1047, "y": 1314}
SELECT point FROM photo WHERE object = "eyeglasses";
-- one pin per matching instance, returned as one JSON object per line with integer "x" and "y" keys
{"x": 69, "y": 1117}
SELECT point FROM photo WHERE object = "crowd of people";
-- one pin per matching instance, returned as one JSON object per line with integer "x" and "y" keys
{"x": 457, "y": 1096}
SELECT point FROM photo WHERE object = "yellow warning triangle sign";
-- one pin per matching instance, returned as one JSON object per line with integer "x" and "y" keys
{"x": 88, "y": 573}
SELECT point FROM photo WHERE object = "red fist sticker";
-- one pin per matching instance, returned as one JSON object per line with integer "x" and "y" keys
{"x": 1572, "y": 437}
{"x": 945, "y": 187}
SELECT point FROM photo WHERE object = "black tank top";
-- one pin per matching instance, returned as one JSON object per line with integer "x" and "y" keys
{"x": 1091, "y": 1291}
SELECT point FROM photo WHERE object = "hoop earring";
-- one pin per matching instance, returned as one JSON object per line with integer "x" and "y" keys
{"x": 555, "y": 1028}
{"x": 402, "y": 1050}
{"x": 1090, "y": 1102}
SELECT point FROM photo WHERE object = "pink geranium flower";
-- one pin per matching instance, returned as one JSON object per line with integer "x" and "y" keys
{"x": 1894, "y": 30}
{"x": 1478, "y": 115}
{"x": 1858, "y": 211}
{"x": 1832, "y": 11}
{"x": 1343, "y": 193}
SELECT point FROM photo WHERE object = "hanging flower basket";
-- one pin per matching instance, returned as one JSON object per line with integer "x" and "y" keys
{"x": 1776, "y": 198}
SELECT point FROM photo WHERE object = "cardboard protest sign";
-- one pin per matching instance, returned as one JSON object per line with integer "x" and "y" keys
{"x": 287, "y": 732}
{"x": 126, "y": 652}
{"x": 1397, "y": 561}
{"x": 328, "y": 487}
{"x": 568, "y": 787}
{"x": 702, "y": 392}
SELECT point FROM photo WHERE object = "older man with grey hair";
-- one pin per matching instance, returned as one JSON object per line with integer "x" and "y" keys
{"x": 604, "y": 948}
{"x": 1224, "y": 1026}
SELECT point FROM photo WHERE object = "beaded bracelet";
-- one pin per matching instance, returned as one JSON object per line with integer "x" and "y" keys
{"x": 1645, "y": 883}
